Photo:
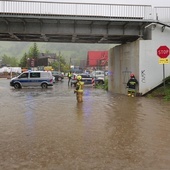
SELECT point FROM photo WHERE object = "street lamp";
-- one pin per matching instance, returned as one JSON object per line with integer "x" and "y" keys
{"x": 59, "y": 62}
{"x": 28, "y": 62}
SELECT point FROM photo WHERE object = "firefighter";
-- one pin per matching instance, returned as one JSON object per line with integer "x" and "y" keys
{"x": 69, "y": 77}
{"x": 79, "y": 89}
{"x": 131, "y": 85}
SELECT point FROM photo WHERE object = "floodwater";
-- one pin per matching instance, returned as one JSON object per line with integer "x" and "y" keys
{"x": 45, "y": 129}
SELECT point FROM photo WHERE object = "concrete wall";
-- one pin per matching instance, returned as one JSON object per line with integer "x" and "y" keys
{"x": 150, "y": 71}
{"x": 139, "y": 57}
{"x": 123, "y": 60}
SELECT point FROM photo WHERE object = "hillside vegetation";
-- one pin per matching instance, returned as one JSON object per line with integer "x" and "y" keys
{"x": 68, "y": 50}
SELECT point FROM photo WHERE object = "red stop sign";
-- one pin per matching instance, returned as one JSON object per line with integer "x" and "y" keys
{"x": 163, "y": 51}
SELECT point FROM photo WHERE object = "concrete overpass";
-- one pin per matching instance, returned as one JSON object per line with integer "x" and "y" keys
{"x": 139, "y": 29}
{"x": 73, "y": 22}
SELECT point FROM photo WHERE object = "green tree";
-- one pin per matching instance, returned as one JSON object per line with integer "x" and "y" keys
{"x": 13, "y": 62}
{"x": 24, "y": 60}
{"x": 33, "y": 51}
{"x": 9, "y": 61}
{"x": 5, "y": 60}
{"x": 60, "y": 64}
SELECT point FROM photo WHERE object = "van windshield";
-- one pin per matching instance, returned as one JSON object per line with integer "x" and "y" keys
{"x": 24, "y": 75}
{"x": 97, "y": 73}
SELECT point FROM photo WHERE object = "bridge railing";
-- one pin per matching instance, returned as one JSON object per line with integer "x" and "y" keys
{"x": 162, "y": 14}
{"x": 76, "y": 9}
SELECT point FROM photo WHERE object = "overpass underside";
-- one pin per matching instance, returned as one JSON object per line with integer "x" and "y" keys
{"x": 71, "y": 29}
{"x": 140, "y": 58}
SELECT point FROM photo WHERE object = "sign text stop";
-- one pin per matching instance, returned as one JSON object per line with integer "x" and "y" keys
{"x": 163, "y": 51}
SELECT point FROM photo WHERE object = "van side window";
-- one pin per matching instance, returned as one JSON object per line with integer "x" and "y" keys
{"x": 24, "y": 75}
{"x": 34, "y": 75}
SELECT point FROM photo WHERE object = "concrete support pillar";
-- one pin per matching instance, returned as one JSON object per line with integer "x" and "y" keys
{"x": 123, "y": 60}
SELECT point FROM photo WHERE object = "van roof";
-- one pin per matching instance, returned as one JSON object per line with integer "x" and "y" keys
{"x": 35, "y": 71}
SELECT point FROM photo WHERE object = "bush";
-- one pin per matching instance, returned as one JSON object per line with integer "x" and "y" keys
{"x": 106, "y": 84}
{"x": 167, "y": 80}
{"x": 161, "y": 92}
{"x": 103, "y": 86}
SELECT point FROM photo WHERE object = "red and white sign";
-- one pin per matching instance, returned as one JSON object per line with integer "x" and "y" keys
{"x": 163, "y": 51}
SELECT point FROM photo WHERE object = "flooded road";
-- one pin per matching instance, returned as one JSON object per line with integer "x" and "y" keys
{"x": 45, "y": 129}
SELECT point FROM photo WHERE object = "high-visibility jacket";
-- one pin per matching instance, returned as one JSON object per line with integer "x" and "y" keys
{"x": 79, "y": 86}
{"x": 69, "y": 75}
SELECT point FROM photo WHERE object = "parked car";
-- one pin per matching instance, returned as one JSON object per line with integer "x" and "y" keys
{"x": 99, "y": 76}
{"x": 54, "y": 79}
{"x": 74, "y": 80}
{"x": 32, "y": 78}
{"x": 58, "y": 76}
{"x": 86, "y": 78}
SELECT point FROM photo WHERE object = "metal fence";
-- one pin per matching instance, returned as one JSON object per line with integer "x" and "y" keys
{"x": 162, "y": 14}
{"x": 76, "y": 9}
{"x": 144, "y": 12}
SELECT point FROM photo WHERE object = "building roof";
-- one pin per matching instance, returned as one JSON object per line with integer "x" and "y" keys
{"x": 50, "y": 55}
{"x": 95, "y": 58}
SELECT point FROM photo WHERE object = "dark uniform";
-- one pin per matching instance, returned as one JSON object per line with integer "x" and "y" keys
{"x": 69, "y": 77}
{"x": 131, "y": 85}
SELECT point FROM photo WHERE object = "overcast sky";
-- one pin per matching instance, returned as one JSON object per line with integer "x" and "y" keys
{"x": 134, "y": 2}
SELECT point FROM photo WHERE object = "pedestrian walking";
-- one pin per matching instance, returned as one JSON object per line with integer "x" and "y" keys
{"x": 131, "y": 85}
{"x": 69, "y": 77}
{"x": 79, "y": 89}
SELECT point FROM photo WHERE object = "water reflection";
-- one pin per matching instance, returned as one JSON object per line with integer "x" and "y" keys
{"x": 124, "y": 130}
{"x": 79, "y": 112}
{"x": 48, "y": 129}
{"x": 29, "y": 114}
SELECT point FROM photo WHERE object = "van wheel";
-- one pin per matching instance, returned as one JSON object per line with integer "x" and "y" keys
{"x": 17, "y": 86}
{"x": 44, "y": 85}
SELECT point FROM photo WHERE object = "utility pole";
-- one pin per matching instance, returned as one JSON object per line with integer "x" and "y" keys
{"x": 59, "y": 62}
{"x": 70, "y": 63}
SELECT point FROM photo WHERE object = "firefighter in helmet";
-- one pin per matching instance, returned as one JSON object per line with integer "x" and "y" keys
{"x": 131, "y": 85}
{"x": 79, "y": 89}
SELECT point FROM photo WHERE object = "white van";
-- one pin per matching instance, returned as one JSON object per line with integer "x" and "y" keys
{"x": 32, "y": 78}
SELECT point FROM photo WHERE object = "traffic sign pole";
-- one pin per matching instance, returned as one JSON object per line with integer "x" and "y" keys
{"x": 163, "y": 52}
{"x": 164, "y": 76}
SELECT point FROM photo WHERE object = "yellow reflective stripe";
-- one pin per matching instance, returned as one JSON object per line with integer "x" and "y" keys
{"x": 79, "y": 90}
{"x": 132, "y": 90}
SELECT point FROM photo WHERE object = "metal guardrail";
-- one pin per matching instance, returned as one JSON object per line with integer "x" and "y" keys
{"x": 142, "y": 12}
{"x": 76, "y": 9}
{"x": 162, "y": 14}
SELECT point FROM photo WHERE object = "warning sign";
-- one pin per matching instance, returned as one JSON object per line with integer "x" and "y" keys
{"x": 163, "y": 61}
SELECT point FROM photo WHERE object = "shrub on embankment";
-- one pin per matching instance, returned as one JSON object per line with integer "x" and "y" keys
{"x": 162, "y": 92}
